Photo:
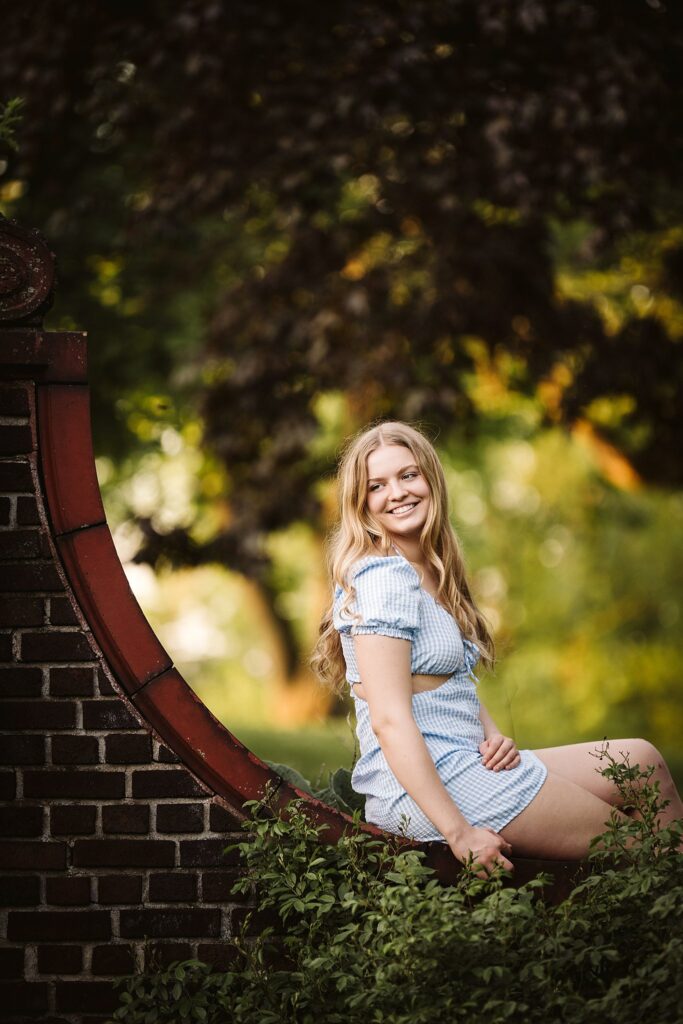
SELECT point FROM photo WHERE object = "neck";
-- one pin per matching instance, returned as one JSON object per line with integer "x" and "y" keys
{"x": 411, "y": 550}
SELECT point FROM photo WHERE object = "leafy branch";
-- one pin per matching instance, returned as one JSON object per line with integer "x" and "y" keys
{"x": 11, "y": 115}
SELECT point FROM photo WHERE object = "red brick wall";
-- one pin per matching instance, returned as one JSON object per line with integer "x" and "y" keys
{"x": 119, "y": 790}
{"x": 111, "y": 852}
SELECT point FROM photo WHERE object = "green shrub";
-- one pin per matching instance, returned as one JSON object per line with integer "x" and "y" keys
{"x": 367, "y": 934}
{"x": 337, "y": 793}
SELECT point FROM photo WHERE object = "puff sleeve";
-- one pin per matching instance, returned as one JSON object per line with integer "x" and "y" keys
{"x": 387, "y": 598}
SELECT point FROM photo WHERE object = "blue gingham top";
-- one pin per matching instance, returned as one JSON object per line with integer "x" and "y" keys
{"x": 391, "y": 602}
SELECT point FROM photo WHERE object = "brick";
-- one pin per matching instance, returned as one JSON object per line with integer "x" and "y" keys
{"x": 20, "y": 544}
{"x": 15, "y": 439}
{"x": 218, "y": 955}
{"x": 71, "y": 646}
{"x": 133, "y": 748}
{"x": 14, "y": 401}
{"x": 173, "y": 923}
{"x": 74, "y": 784}
{"x": 205, "y": 853}
{"x": 217, "y": 887}
{"x": 21, "y": 821}
{"x": 72, "y": 891}
{"x": 165, "y": 782}
{"x": 125, "y": 818}
{"x": 27, "y": 511}
{"x": 75, "y": 750}
{"x": 60, "y": 959}
{"x": 166, "y": 756}
{"x": 6, "y": 647}
{"x": 119, "y": 889}
{"x": 42, "y": 576}
{"x": 180, "y": 818}
{"x": 172, "y": 888}
{"x": 32, "y": 856}
{"x": 72, "y": 821}
{"x": 19, "y": 891}
{"x": 21, "y": 610}
{"x": 21, "y": 681}
{"x": 27, "y": 997}
{"x": 8, "y": 781}
{"x": 72, "y": 682}
{"x": 104, "y": 686}
{"x": 108, "y": 714}
{"x": 53, "y": 925}
{"x": 161, "y": 954}
{"x": 80, "y": 996}
{"x": 62, "y": 613}
{"x": 25, "y": 749}
{"x": 34, "y": 715}
{"x": 15, "y": 477}
{"x": 11, "y": 962}
{"x": 113, "y": 960}
{"x": 134, "y": 853}
{"x": 222, "y": 820}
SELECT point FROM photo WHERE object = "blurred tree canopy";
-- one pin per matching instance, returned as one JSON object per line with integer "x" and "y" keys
{"x": 257, "y": 206}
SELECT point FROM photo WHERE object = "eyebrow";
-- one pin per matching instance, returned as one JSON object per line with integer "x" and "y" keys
{"x": 411, "y": 465}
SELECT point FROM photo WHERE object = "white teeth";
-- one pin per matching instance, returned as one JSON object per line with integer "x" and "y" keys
{"x": 402, "y": 508}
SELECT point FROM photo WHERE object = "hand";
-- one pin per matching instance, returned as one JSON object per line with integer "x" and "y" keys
{"x": 485, "y": 845}
{"x": 499, "y": 752}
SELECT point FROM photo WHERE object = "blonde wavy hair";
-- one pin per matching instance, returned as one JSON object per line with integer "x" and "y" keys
{"x": 359, "y": 533}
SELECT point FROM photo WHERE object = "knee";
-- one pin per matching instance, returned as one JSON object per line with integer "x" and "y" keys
{"x": 644, "y": 753}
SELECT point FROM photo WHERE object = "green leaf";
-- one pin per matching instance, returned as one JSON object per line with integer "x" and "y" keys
{"x": 292, "y": 776}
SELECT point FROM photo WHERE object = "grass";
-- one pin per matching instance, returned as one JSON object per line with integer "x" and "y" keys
{"x": 316, "y": 749}
{"x": 313, "y": 749}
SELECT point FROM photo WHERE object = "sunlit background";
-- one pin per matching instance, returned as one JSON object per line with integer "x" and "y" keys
{"x": 574, "y": 562}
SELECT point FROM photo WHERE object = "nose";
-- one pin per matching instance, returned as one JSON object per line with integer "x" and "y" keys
{"x": 396, "y": 489}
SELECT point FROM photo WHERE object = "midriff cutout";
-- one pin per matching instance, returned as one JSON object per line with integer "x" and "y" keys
{"x": 420, "y": 682}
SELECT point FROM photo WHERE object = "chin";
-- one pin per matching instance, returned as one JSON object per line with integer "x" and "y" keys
{"x": 405, "y": 530}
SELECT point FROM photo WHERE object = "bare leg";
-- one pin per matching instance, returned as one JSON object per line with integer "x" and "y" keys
{"x": 577, "y": 763}
{"x": 559, "y": 823}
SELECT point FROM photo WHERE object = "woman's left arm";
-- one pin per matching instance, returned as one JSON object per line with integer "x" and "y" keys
{"x": 490, "y": 727}
{"x": 497, "y": 751}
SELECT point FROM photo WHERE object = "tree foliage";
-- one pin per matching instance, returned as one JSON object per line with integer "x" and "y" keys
{"x": 259, "y": 205}
{"x": 10, "y": 117}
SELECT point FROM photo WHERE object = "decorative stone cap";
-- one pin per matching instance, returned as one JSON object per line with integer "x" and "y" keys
{"x": 27, "y": 275}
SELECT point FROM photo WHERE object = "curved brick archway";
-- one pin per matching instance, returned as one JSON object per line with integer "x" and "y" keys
{"x": 140, "y": 665}
{"x": 77, "y": 530}
{"x": 120, "y": 785}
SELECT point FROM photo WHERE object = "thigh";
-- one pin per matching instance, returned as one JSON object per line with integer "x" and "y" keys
{"x": 559, "y": 822}
{"x": 581, "y": 764}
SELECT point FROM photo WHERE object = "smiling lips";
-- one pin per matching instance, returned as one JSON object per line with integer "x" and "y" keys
{"x": 402, "y": 510}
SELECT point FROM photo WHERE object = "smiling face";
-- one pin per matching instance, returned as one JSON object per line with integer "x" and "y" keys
{"x": 398, "y": 494}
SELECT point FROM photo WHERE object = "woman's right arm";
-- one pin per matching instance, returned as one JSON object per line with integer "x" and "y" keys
{"x": 385, "y": 670}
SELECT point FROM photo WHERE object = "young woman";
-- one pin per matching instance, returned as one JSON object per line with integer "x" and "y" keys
{"x": 404, "y": 631}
